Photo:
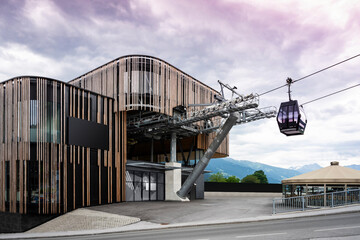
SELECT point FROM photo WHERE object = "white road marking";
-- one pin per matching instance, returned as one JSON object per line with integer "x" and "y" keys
{"x": 334, "y": 229}
{"x": 261, "y": 235}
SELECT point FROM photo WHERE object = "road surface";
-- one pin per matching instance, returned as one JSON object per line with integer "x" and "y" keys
{"x": 346, "y": 226}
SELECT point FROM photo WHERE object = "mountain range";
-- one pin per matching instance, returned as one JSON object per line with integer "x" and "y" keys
{"x": 306, "y": 168}
{"x": 242, "y": 168}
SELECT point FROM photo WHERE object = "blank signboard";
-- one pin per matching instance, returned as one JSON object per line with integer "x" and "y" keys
{"x": 88, "y": 134}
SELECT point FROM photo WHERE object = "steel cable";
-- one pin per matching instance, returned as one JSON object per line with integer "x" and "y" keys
{"x": 330, "y": 94}
{"x": 321, "y": 70}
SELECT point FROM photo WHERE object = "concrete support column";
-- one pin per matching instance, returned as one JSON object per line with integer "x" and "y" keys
{"x": 173, "y": 177}
{"x": 173, "y": 182}
{"x": 173, "y": 148}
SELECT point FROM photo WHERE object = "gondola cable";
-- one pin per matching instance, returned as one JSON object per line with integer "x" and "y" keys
{"x": 321, "y": 70}
{"x": 330, "y": 94}
{"x": 291, "y": 116}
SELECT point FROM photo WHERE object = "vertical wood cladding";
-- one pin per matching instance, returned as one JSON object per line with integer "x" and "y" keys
{"x": 39, "y": 171}
{"x": 150, "y": 84}
{"x": 145, "y": 83}
{"x": 14, "y": 144}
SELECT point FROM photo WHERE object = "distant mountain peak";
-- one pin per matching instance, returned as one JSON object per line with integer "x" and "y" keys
{"x": 242, "y": 168}
{"x": 306, "y": 168}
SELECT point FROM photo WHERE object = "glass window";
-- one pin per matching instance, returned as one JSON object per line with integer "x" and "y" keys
{"x": 33, "y": 119}
{"x": 146, "y": 177}
{"x": 152, "y": 187}
{"x": 282, "y": 114}
{"x": 291, "y": 113}
{"x": 144, "y": 186}
{"x": 130, "y": 191}
{"x": 137, "y": 191}
{"x": 153, "y": 193}
{"x": 296, "y": 115}
{"x": 137, "y": 176}
{"x": 93, "y": 107}
{"x": 129, "y": 176}
{"x": 153, "y": 177}
{"x": 161, "y": 178}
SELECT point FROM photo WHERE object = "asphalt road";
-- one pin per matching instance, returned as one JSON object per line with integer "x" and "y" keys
{"x": 326, "y": 227}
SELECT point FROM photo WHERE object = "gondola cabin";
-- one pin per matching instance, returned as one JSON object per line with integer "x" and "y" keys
{"x": 291, "y": 118}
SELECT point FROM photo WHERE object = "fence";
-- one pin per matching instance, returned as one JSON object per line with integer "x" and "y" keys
{"x": 307, "y": 202}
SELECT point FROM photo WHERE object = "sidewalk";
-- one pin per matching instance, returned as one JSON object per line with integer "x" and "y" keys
{"x": 217, "y": 208}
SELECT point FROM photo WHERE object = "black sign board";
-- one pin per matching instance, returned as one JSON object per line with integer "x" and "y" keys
{"x": 85, "y": 133}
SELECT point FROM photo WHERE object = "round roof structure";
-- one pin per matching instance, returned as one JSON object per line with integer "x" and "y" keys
{"x": 333, "y": 174}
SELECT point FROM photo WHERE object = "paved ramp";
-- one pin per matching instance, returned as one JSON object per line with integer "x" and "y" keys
{"x": 84, "y": 219}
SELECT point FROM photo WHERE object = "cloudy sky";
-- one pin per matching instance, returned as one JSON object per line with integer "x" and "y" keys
{"x": 254, "y": 45}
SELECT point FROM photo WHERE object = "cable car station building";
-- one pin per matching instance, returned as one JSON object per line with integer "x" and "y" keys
{"x": 132, "y": 129}
{"x": 99, "y": 138}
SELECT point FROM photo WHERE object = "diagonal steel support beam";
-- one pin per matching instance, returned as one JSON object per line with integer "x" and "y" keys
{"x": 204, "y": 161}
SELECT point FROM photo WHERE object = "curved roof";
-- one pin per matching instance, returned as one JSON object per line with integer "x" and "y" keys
{"x": 333, "y": 174}
{"x": 145, "y": 56}
{"x": 52, "y": 79}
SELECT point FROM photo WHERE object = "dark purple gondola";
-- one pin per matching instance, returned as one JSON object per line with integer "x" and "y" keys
{"x": 291, "y": 117}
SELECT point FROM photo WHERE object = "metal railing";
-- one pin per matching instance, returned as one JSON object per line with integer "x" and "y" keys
{"x": 308, "y": 202}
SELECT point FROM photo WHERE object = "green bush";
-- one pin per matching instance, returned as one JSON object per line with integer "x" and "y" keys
{"x": 217, "y": 177}
{"x": 261, "y": 176}
{"x": 250, "y": 179}
{"x": 233, "y": 179}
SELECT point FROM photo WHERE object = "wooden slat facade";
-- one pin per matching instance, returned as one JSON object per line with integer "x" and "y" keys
{"x": 150, "y": 84}
{"x": 14, "y": 144}
{"x": 39, "y": 171}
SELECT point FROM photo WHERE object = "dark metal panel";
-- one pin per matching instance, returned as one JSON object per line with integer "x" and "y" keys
{"x": 87, "y": 134}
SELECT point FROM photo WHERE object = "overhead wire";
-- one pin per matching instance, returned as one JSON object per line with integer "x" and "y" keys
{"x": 321, "y": 70}
{"x": 330, "y": 94}
{"x": 338, "y": 63}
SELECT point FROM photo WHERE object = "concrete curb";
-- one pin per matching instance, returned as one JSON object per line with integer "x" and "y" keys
{"x": 141, "y": 226}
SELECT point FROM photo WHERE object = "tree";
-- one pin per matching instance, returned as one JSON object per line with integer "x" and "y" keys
{"x": 233, "y": 179}
{"x": 217, "y": 177}
{"x": 250, "y": 179}
{"x": 261, "y": 176}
